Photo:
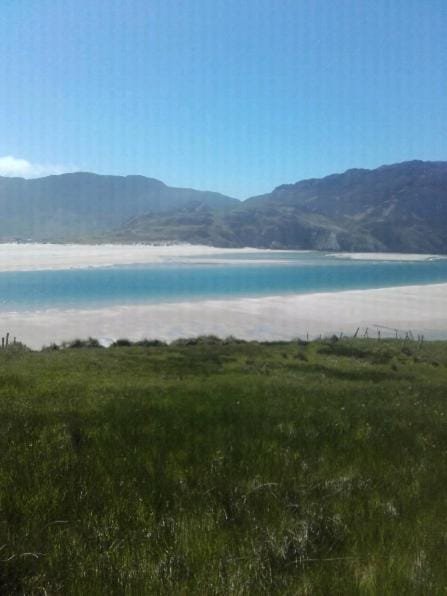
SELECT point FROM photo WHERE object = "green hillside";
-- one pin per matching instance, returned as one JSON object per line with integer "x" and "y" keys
{"x": 209, "y": 467}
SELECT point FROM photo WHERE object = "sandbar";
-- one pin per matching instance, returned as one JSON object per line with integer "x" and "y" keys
{"x": 384, "y": 256}
{"x": 41, "y": 256}
{"x": 421, "y": 309}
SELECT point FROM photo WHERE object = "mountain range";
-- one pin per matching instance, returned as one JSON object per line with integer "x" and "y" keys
{"x": 81, "y": 204}
{"x": 400, "y": 207}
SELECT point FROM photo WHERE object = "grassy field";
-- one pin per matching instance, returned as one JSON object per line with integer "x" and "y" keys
{"x": 211, "y": 467}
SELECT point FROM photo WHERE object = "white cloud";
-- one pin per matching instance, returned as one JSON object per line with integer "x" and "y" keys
{"x": 14, "y": 166}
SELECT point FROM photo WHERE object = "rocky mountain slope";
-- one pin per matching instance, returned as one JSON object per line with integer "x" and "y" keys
{"x": 400, "y": 207}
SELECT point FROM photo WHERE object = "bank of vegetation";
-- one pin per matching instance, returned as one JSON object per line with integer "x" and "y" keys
{"x": 210, "y": 467}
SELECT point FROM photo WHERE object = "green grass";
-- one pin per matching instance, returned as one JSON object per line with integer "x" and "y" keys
{"x": 209, "y": 467}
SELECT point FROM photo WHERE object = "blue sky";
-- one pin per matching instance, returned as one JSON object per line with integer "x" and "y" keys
{"x": 235, "y": 96}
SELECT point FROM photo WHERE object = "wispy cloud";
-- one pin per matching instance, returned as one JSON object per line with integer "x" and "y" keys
{"x": 14, "y": 166}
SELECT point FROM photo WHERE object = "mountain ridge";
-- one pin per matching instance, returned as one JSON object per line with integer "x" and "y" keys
{"x": 398, "y": 207}
{"x": 77, "y": 205}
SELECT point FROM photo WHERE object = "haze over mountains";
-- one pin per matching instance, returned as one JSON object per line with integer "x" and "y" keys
{"x": 400, "y": 207}
{"x": 77, "y": 205}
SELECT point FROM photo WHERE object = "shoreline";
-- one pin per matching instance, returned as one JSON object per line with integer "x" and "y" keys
{"x": 51, "y": 257}
{"x": 419, "y": 308}
{"x": 36, "y": 256}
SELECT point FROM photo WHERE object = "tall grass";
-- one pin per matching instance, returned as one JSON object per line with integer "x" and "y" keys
{"x": 213, "y": 467}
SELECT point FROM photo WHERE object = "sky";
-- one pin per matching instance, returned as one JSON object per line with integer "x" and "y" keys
{"x": 237, "y": 96}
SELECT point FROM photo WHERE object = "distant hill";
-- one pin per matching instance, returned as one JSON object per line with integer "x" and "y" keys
{"x": 400, "y": 207}
{"x": 79, "y": 205}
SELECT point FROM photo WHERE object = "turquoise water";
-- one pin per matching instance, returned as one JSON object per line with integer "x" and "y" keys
{"x": 195, "y": 279}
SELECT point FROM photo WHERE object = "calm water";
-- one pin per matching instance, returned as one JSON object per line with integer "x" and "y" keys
{"x": 196, "y": 278}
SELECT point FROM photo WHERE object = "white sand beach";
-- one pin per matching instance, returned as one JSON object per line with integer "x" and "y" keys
{"x": 384, "y": 256}
{"x": 41, "y": 257}
{"x": 46, "y": 256}
{"x": 421, "y": 309}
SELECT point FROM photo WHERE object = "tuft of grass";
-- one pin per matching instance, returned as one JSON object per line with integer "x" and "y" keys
{"x": 91, "y": 342}
{"x": 119, "y": 343}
